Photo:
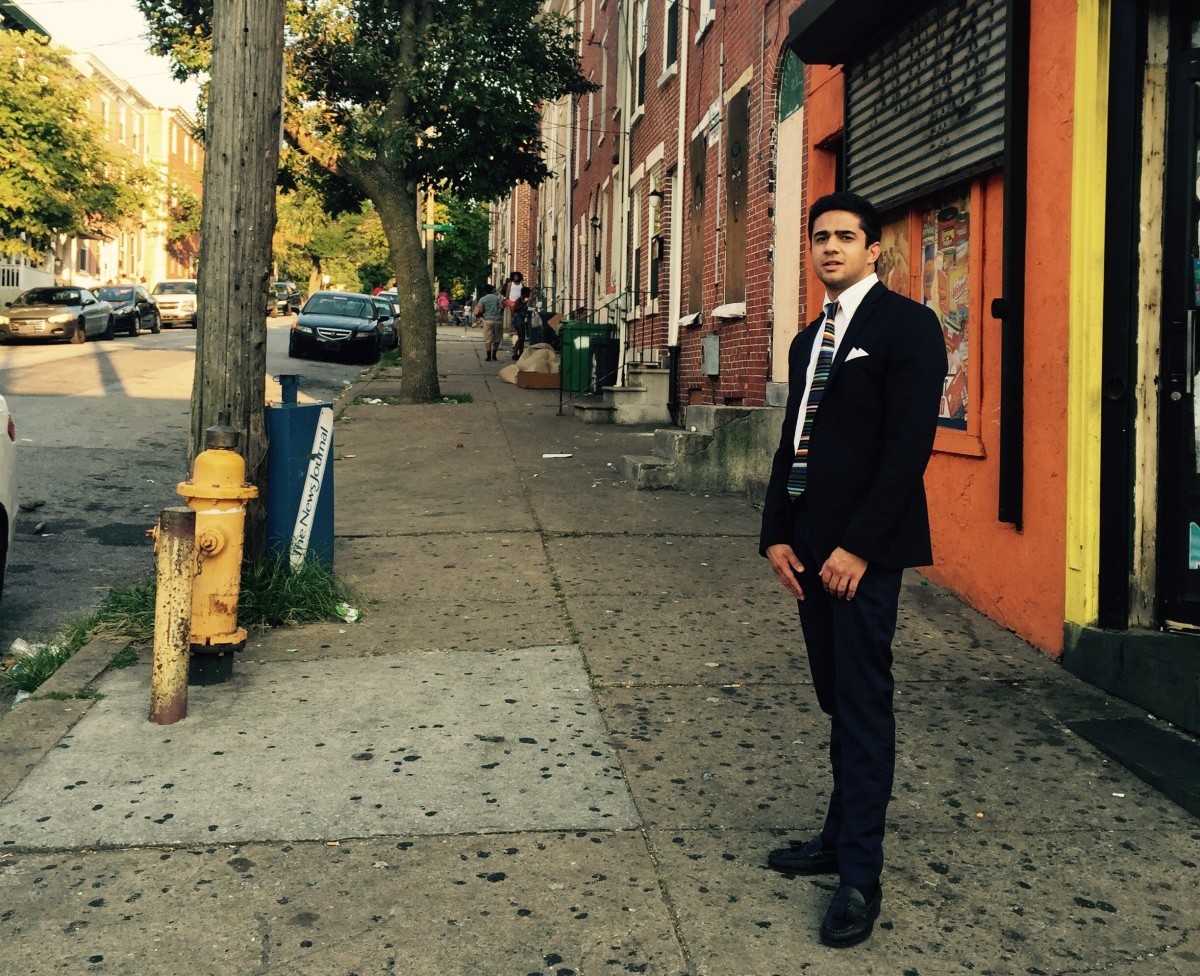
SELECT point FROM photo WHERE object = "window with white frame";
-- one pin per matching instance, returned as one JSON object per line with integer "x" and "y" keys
{"x": 670, "y": 34}
{"x": 708, "y": 13}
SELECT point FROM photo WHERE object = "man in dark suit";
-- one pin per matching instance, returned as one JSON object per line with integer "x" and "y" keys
{"x": 845, "y": 513}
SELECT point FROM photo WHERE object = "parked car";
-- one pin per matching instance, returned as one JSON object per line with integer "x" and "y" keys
{"x": 337, "y": 324}
{"x": 60, "y": 312}
{"x": 176, "y": 301}
{"x": 8, "y": 486}
{"x": 389, "y": 321}
{"x": 286, "y": 298}
{"x": 133, "y": 308}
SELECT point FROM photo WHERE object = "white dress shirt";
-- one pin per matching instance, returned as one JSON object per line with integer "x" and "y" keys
{"x": 848, "y": 303}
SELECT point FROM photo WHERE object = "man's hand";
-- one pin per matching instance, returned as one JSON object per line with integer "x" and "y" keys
{"x": 841, "y": 574}
{"x": 786, "y": 565}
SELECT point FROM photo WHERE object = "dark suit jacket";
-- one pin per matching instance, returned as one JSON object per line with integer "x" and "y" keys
{"x": 871, "y": 437}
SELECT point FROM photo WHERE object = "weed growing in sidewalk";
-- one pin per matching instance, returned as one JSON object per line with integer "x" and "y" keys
{"x": 272, "y": 595}
{"x": 387, "y": 401}
{"x": 458, "y": 398}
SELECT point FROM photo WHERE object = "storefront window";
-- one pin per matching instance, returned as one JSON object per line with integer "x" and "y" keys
{"x": 926, "y": 254}
{"x": 946, "y": 288}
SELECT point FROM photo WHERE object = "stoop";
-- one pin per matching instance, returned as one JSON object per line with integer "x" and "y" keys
{"x": 722, "y": 450}
{"x": 643, "y": 399}
{"x": 592, "y": 409}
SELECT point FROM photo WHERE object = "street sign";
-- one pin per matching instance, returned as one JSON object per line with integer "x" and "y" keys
{"x": 437, "y": 227}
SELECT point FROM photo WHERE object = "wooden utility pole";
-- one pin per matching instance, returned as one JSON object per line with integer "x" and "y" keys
{"x": 241, "y": 162}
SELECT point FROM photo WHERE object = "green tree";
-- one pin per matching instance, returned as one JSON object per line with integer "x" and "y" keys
{"x": 57, "y": 176}
{"x": 183, "y": 224}
{"x": 351, "y": 248}
{"x": 388, "y": 96}
{"x": 462, "y": 255}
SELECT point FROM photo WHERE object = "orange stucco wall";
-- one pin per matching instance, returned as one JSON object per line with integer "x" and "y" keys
{"x": 823, "y": 107}
{"x": 1015, "y": 577}
{"x": 1018, "y": 578}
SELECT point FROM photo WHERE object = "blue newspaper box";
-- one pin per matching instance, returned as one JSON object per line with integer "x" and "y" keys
{"x": 299, "y": 496}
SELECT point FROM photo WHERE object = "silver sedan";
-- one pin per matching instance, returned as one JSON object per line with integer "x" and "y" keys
{"x": 62, "y": 312}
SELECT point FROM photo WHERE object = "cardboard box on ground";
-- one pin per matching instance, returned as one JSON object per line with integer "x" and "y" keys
{"x": 537, "y": 369}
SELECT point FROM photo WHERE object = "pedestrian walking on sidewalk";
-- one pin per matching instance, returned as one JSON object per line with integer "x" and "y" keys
{"x": 520, "y": 323}
{"x": 490, "y": 311}
{"x": 511, "y": 293}
{"x": 845, "y": 513}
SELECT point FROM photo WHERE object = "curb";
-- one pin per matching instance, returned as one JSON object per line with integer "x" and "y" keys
{"x": 35, "y": 726}
{"x": 29, "y": 730}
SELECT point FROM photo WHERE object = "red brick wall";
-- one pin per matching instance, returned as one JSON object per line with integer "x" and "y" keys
{"x": 752, "y": 37}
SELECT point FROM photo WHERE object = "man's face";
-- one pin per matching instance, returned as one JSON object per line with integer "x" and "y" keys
{"x": 840, "y": 251}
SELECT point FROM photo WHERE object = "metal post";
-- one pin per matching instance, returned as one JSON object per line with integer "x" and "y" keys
{"x": 429, "y": 239}
{"x": 173, "y": 615}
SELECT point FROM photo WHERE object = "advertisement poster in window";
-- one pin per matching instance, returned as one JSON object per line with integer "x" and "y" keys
{"x": 945, "y": 287}
{"x": 893, "y": 265}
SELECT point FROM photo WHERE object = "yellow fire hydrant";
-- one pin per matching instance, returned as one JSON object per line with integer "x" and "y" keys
{"x": 218, "y": 493}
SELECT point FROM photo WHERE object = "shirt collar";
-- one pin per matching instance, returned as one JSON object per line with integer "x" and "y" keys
{"x": 852, "y": 297}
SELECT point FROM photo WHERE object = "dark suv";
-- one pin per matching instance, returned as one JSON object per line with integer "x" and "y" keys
{"x": 286, "y": 298}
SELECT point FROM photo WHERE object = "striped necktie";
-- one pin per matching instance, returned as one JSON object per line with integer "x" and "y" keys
{"x": 798, "y": 479}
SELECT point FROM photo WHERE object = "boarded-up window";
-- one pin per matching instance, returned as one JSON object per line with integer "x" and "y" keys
{"x": 696, "y": 162}
{"x": 791, "y": 85}
{"x": 736, "y": 159}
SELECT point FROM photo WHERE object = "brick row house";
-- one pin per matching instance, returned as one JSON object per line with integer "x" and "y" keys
{"x": 1036, "y": 165}
{"x": 142, "y": 248}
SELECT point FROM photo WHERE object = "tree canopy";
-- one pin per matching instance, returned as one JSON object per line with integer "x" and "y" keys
{"x": 351, "y": 248}
{"x": 386, "y": 96}
{"x": 462, "y": 254}
{"x": 58, "y": 176}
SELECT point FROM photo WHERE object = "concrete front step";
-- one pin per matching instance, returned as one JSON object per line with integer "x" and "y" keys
{"x": 595, "y": 413}
{"x": 643, "y": 398}
{"x": 644, "y": 470}
{"x": 724, "y": 449}
{"x": 670, "y": 443}
{"x": 703, "y": 418}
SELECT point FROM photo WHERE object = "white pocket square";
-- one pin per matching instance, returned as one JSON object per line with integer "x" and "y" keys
{"x": 856, "y": 353}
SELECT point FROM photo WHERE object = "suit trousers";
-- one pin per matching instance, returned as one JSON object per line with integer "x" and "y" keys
{"x": 849, "y": 644}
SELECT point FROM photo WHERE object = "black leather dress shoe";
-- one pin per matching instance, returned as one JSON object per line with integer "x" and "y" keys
{"x": 804, "y": 857}
{"x": 850, "y": 918}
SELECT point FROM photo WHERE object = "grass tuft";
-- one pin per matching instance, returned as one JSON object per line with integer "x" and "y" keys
{"x": 458, "y": 398}
{"x": 275, "y": 595}
{"x": 272, "y": 595}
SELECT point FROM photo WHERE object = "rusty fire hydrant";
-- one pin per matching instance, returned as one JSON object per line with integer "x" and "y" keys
{"x": 218, "y": 493}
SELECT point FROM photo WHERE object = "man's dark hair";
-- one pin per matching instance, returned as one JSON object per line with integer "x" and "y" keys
{"x": 863, "y": 209}
{"x": 488, "y": 289}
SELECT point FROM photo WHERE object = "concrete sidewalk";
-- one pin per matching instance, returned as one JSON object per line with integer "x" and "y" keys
{"x": 571, "y": 723}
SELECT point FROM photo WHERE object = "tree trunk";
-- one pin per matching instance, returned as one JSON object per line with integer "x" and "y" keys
{"x": 240, "y": 166}
{"x": 397, "y": 205}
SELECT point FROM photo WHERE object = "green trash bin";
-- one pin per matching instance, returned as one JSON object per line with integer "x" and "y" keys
{"x": 577, "y": 353}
